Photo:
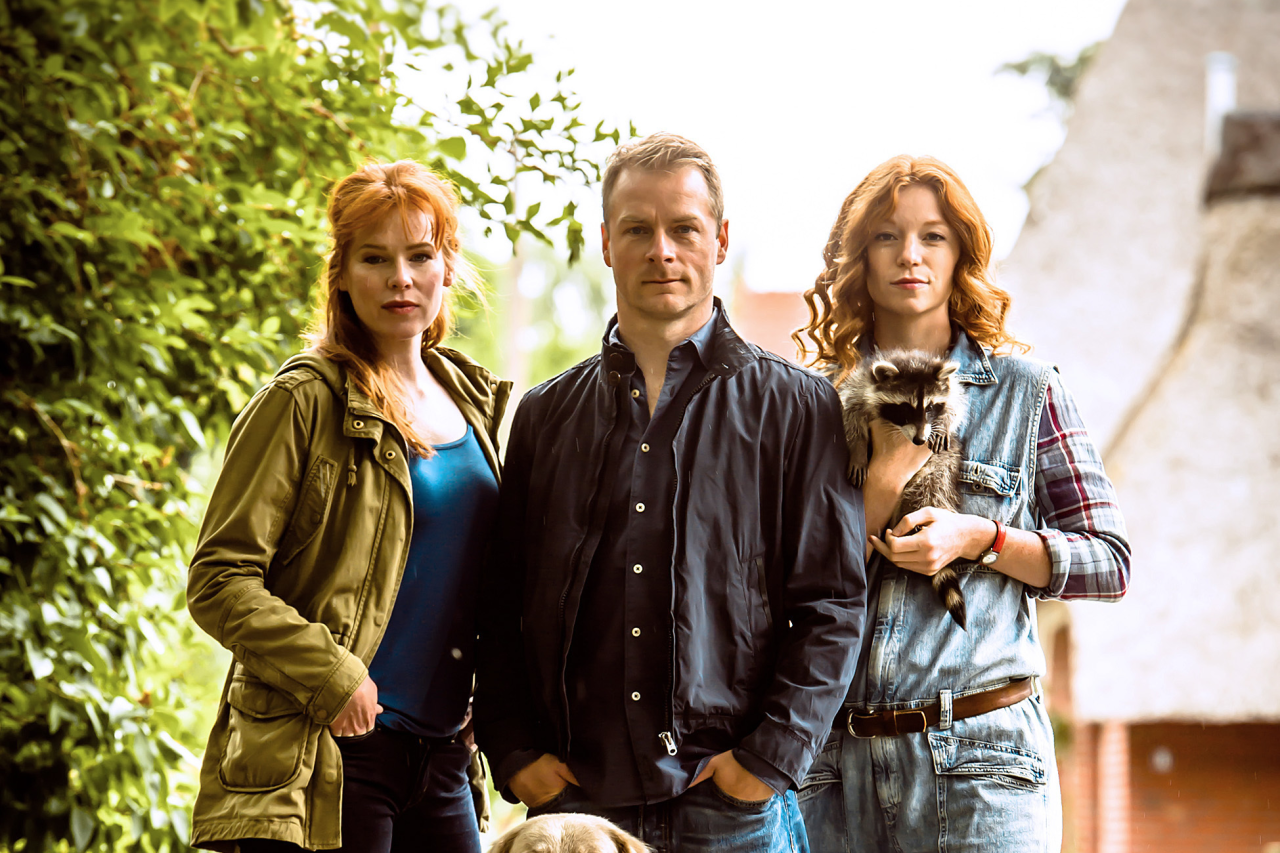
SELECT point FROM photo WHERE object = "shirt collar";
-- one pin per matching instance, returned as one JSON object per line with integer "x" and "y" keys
{"x": 700, "y": 339}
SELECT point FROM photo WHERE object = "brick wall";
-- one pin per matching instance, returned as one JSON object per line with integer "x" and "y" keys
{"x": 1191, "y": 788}
{"x": 1204, "y": 788}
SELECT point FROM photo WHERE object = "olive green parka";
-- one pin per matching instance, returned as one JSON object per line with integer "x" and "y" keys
{"x": 299, "y": 560}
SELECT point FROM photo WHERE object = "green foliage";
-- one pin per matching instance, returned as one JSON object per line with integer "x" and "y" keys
{"x": 553, "y": 315}
{"x": 1061, "y": 76}
{"x": 161, "y": 221}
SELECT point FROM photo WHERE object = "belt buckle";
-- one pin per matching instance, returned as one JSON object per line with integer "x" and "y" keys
{"x": 852, "y": 731}
{"x": 909, "y": 715}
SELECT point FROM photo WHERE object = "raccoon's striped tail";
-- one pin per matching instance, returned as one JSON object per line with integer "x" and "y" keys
{"x": 946, "y": 583}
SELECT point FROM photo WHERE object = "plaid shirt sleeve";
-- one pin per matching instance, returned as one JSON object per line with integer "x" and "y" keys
{"x": 1082, "y": 526}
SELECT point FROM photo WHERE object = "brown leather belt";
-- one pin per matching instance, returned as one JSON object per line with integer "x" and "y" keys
{"x": 890, "y": 723}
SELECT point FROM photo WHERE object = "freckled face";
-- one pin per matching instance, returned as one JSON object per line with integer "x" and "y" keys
{"x": 396, "y": 280}
{"x": 911, "y": 258}
{"x": 663, "y": 243}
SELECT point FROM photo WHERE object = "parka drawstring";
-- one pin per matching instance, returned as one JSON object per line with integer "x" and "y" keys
{"x": 351, "y": 466}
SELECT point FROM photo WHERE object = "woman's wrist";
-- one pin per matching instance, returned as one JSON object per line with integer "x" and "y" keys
{"x": 982, "y": 533}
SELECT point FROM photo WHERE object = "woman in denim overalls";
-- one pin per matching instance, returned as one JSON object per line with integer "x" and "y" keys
{"x": 944, "y": 743}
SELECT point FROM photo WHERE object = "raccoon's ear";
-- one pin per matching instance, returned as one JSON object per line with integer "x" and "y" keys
{"x": 883, "y": 370}
{"x": 947, "y": 369}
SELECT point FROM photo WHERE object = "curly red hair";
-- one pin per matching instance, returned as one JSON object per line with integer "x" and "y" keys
{"x": 840, "y": 308}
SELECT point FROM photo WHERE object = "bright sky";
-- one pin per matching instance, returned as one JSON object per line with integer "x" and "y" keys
{"x": 796, "y": 101}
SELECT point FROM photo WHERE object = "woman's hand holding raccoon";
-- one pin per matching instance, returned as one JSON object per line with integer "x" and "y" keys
{"x": 945, "y": 536}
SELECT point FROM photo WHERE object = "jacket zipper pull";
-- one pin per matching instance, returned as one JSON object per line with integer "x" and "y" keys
{"x": 668, "y": 741}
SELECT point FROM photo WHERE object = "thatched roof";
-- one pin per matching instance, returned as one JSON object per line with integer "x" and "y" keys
{"x": 1103, "y": 270}
{"x": 1164, "y": 316}
{"x": 1198, "y": 637}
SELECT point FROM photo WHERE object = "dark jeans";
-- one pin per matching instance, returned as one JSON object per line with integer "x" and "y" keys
{"x": 400, "y": 794}
{"x": 703, "y": 818}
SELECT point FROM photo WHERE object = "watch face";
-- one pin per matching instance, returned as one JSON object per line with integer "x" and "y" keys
{"x": 989, "y": 558}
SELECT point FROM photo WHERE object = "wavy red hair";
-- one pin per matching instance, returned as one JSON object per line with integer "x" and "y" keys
{"x": 358, "y": 202}
{"x": 840, "y": 309}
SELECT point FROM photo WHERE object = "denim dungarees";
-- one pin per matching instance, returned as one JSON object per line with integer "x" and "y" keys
{"x": 983, "y": 783}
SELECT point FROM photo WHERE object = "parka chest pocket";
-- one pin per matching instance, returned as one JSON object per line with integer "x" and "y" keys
{"x": 269, "y": 739}
{"x": 311, "y": 509}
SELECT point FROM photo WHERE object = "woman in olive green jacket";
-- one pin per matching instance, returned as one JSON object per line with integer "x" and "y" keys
{"x": 339, "y": 550}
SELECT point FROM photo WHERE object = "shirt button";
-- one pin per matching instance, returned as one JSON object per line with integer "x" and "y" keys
{"x": 635, "y": 697}
{"x": 358, "y": 424}
{"x": 635, "y": 393}
{"x": 456, "y": 653}
{"x": 637, "y": 568}
{"x": 644, "y": 448}
{"x": 635, "y": 632}
{"x": 639, "y": 507}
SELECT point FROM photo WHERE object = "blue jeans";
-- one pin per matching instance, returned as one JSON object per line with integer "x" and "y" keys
{"x": 988, "y": 783}
{"x": 703, "y": 818}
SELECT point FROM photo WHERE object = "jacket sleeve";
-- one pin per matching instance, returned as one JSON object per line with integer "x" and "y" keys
{"x": 248, "y": 512}
{"x": 823, "y": 591}
{"x": 503, "y": 697}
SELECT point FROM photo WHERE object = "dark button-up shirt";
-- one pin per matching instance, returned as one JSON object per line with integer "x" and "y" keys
{"x": 621, "y": 653}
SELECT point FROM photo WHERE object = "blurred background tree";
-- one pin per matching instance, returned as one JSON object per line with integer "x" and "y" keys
{"x": 161, "y": 222}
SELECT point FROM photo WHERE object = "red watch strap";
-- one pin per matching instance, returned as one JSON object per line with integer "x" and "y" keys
{"x": 999, "y": 543}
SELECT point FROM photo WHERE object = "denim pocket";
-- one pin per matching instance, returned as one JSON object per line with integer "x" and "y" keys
{"x": 345, "y": 740}
{"x": 1002, "y": 765}
{"x": 754, "y": 806}
{"x": 550, "y": 805}
{"x": 990, "y": 796}
{"x": 823, "y": 773}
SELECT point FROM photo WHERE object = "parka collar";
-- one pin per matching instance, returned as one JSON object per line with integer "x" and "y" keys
{"x": 466, "y": 381}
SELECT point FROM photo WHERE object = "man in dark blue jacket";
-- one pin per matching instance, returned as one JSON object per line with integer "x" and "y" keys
{"x": 677, "y": 590}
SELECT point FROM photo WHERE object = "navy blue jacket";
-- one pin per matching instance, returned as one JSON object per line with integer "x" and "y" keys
{"x": 765, "y": 565}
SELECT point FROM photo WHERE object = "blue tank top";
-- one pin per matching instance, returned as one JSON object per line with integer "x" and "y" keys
{"x": 424, "y": 666}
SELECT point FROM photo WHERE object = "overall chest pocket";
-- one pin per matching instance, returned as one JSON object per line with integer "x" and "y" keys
{"x": 989, "y": 489}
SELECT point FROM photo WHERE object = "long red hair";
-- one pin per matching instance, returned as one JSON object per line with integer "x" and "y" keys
{"x": 356, "y": 203}
{"x": 840, "y": 308}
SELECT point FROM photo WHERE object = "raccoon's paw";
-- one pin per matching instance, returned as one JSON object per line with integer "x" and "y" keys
{"x": 940, "y": 441}
{"x": 857, "y": 475}
{"x": 946, "y": 583}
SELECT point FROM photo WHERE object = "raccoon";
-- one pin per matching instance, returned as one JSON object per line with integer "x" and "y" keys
{"x": 917, "y": 392}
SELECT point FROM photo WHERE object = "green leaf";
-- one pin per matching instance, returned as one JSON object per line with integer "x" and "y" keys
{"x": 193, "y": 427}
{"x": 82, "y": 824}
{"x": 52, "y": 508}
{"x": 454, "y": 146}
{"x": 39, "y": 661}
{"x": 66, "y": 229}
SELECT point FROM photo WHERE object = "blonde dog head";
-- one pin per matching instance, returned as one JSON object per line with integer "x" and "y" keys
{"x": 567, "y": 833}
